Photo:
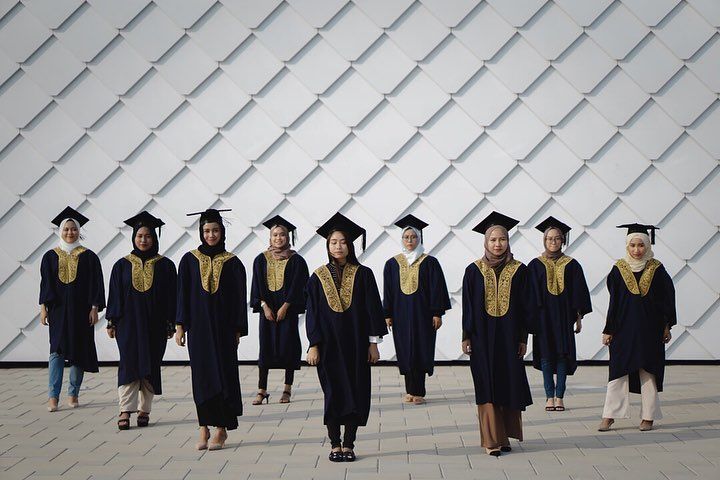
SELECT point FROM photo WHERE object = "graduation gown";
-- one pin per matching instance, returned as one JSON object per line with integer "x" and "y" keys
{"x": 277, "y": 282}
{"x": 70, "y": 284}
{"x": 211, "y": 307}
{"x": 562, "y": 292}
{"x": 339, "y": 323}
{"x": 141, "y": 307}
{"x": 641, "y": 305}
{"x": 413, "y": 295}
{"x": 497, "y": 316}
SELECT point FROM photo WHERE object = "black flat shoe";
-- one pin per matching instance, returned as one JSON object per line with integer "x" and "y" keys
{"x": 349, "y": 456}
{"x": 506, "y": 448}
{"x": 336, "y": 457}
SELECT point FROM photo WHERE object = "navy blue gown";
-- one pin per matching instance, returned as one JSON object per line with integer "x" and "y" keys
{"x": 279, "y": 341}
{"x": 641, "y": 306}
{"x": 141, "y": 308}
{"x": 496, "y": 320}
{"x": 413, "y": 295}
{"x": 70, "y": 284}
{"x": 212, "y": 308}
{"x": 559, "y": 301}
{"x": 339, "y": 323}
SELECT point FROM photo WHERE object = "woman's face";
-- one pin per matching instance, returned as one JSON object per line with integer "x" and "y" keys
{"x": 338, "y": 248}
{"x": 497, "y": 242}
{"x": 69, "y": 232}
{"x": 636, "y": 248}
{"x": 553, "y": 240}
{"x": 410, "y": 240}
{"x": 279, "y": 237}
{"x": 143, "y": 239}
{"x": 212, "y": 233}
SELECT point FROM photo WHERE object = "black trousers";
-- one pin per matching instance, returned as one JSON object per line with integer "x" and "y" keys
{"x": 348, "y": 439}
{"x": 262, "y": 382}
{"x": 415, "y": 383}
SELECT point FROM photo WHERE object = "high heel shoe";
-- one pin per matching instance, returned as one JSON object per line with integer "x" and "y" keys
{"x": 260, "y": 398}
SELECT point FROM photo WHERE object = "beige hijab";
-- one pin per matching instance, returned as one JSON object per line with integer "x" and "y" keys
{"x": 635, "y": 264}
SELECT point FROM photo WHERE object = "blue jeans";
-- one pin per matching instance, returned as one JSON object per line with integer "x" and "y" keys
{"x": 56, "y": 364}
{"x": 551, "y": 389}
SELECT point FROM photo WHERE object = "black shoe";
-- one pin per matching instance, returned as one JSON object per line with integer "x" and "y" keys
{"x": 349, "y": 456}
{"x": 336, "y": 456}
{"x": 495, "y": 453}
{"x": 507, "y": 448}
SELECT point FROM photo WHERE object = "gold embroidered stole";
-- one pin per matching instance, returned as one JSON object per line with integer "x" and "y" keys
{"x": 555, "y": 273}
{"x": 409, "y": 274}
{"x": 645, "y": 279}
{"x": 338, "y": 301}
{"x": 142, "y": 275}
{"x": 211, "y": 268}
{"x": 497, "y": 292}
{"x": 68, "y": 263}
{"x": 275, "y": 271}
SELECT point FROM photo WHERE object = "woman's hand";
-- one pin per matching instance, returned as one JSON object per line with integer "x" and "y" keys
{"x": 43, "y": 314}
{"x": 237, "y": 338}
{"x": 180, "y": 336}
{"x": 437, "y": 322}
{"x": 110, "y": 332}
{"x": 578, "y": 324}
{"x": 522, "y": 350}
{"x": 267, "y": 311}
{"x": 313, "y": 355}
{"x": 93, "y": 315}
{"x": 667, "y": 336}
{"x": 282, "y": 312}
{"x": 466, "y": 347}
{"x": 388, "y": 322}
{"x": 373, "y": 353}
{"x": 606, "y": 339}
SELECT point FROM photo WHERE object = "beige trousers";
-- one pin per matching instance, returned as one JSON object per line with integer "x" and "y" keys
{"x": 498, "y": 425}
{"x": 129, "y": 395}
{"x": 617, "y": 399}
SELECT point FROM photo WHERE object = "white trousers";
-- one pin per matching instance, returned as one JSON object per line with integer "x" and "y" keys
{"x": 129, "y": 395}
{"x": 617, "y": 399}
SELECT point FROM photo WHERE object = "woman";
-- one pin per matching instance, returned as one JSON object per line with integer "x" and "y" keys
{"x": 639, "y": 318}
{"x": 415, "y": 299}
{"x": 71, "y": 296}
{"x": 344, "y": 323}
{"x": 278, "y": 296}
{"x": 212, "y": 310}
{"x": 141, "y": 318}
{"x": 564, "y": 300}
{"x": 497, "y": 316}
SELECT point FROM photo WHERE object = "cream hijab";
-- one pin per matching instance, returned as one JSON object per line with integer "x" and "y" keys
{"x": 635, "y": 264}
{"x": 412, "y": 256}
{"x": 64, "y": 246}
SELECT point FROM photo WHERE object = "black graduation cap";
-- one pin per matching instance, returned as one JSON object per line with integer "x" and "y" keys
{"x": 552, "y": 222}
{"x": 640, "y": 228}
{"x": 69, "y": 212}
{"x": 495, "y": 218}
{"x": 277, "y": 220}
{"x": 144, "y": 219}
{"x": 412, "y": 221}
{"x": 341, "y": 222}
{"x": 211, "y": 215}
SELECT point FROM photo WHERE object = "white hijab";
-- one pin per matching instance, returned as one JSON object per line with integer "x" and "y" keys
{"x": 635, "y": 264}
{"x": 413, "y": 255}
{"x": 64, "y": 246}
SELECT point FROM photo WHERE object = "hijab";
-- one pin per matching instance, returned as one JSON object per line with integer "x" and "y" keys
{"x": 412, "y": 255}
{"x": 152, "y": 251}
{"x": 635, "y": 264}
{"x": 284, "y": 252}
{"x": 219, "y": 247}
{"x": 547, "y": 253}
{"x": 64, "y": 246}
{"x": 490, "y": 259}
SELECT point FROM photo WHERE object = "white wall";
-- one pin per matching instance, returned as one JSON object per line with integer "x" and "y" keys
{"x": 598, "y": 112}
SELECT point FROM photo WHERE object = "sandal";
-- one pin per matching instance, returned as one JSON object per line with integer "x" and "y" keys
{"x": 408, "y": 398}
{"x": 124, "y": 423}
{"x": 52, "y": 404}
{"x": 213, "y": 445}
{"x": 559, "y": 406}
{"x": 495, "y": 452}
{"x": 418, "y": 400}
{"x": 260, "y": 398}
{"x": 143, "y": 419}
{"x": 548, "y": 407}
{"x": 646, "y": 425}
{"x": 605, "y": 424}
{"x": 285, "y": 397}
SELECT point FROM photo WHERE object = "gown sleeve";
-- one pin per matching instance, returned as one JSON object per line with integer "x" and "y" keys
{"x": 668, "y": 299}
{"x": 388, "y": 290}
{"x": 439, "y": 296}
{"x": 97, "y": 284}
{"x": 241, "y": 322}
{"x": 170, "y": 296}
{"x": 373, "y": 304}
{"x": 528, "y": 304}
{"x": 612, "y": 311}
{"x": 295, "y": 291}
{"x": 580, "y": 300}
{"x": 47, "y": 281}
{"x": 312, "y": 312}
{"x": 182, "y": 314}
{"x": 116, "y": 295}
{"x": 256, "y": 287}
{"x": 468, "y": 292}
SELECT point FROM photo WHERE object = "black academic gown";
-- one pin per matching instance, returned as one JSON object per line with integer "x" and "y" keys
{"x": 498, "y": 374}
{"x": 641, "y": 305}
{"x": 342, "y": 338}
{"x": 279, "y": 341}
{"x": 212, "y": 309}
{"x": 69, "y": 301}
{"x": 559, "y": 302}
{"x": 413, "y": 312}
{"x": 141, "y": 307}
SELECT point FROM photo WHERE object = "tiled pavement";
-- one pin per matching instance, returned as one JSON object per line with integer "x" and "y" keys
{"x": 433, "y": 441}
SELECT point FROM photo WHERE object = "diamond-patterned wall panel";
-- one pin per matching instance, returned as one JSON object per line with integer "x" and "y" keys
{"x": 599, "y": 112}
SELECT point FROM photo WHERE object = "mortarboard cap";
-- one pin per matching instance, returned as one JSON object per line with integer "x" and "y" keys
{"x": 495, "y": 218}
{"x": 211, "y": 215}
{"x": 412, "y": 221}
{"x": 277, "y": 220}
{"x": 552, "y": 222}
{"x": 341, "y": 222}
{"x": 70, "y": 213}
{"x": 144, "y": 219}
{"x": 640, "y": 228}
